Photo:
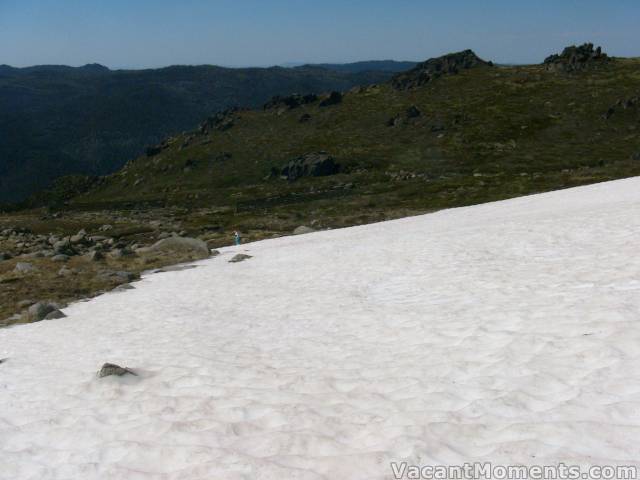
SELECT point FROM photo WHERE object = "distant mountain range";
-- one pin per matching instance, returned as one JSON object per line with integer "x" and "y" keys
{"x": 368, "y": 66}
{"x": 57, "y": 120}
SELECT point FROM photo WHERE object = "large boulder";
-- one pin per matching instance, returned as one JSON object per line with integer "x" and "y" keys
{"x": 310, "y": 165}
{"x": 43, "y": 311}
{"x": 434, "y": 68}
{"x": 193, "y": 247}
{"x": 574, "y": 58}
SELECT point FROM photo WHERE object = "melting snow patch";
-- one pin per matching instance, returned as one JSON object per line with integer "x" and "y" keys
{"x": 504, "y": 333}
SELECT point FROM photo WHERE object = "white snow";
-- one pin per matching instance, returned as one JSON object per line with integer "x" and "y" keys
{"x": 506, "y": 332}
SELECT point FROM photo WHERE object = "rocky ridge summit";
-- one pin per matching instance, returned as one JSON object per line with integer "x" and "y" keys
{"x": 434, "y": 68}
{"x": 575, "y": 58}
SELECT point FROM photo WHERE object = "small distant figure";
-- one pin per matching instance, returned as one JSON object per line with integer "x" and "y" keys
{"x": 237, "y": 238}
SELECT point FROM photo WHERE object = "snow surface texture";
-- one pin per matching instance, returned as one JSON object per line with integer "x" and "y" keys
{"x": 506, "y": 332}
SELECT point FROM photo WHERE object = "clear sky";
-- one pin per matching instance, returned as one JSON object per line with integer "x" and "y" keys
{"x": 152, "y": 33}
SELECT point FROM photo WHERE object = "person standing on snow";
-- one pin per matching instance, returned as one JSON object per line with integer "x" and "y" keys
{"x": 236, "y": 238}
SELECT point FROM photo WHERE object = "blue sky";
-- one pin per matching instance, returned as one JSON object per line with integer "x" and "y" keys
{"x": 152, "y": 33}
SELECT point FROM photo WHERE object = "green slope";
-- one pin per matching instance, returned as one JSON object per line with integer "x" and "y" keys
{"x": 485, "y": 133}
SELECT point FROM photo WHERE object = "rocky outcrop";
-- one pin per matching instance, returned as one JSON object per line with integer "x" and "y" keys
{"x": 318, "y": 164}
{"x": 221, "y": 121}
{"x": 576, "y": 58}
{"x": 434, "y": 68}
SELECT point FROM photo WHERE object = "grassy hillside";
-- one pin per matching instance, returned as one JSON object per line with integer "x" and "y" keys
{"x": 482, "y": 134}
{"x": 57, "y": 120}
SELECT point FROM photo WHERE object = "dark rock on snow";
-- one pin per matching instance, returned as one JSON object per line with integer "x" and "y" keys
{"x": 239, "y": 258}
{"x": 44, "y": 311}
{"x": 109, "y": 369}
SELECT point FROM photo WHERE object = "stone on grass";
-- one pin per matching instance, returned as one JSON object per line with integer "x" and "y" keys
{"x": 24, "y": 267}
{"x": 95, "y": 256}
{"x": 65, "y": 272}
{"x": 192, "y": 246}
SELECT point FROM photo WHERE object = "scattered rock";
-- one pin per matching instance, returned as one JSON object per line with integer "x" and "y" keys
{"x": 117, "y": 253}
{"x": 41, "y": 310}
{"x": 409, "y": 114}
{"x": 65, "y": 272}
{"x": 123, "y": 288}
{"x": 117, "y": 277}
{"x": 109, "y": 369}
{"x": 25, "y": 303}
{"x": 575, "y": 58}
{"x": 301, "y": 230}
{"x": 240, "y": 257}
{"x": 435, "y": 68}
{"x": 5, "y": 256}
{"x": 24, "y": 267}
{"x": 95, "y": 256}
{"x": 304, "y": 118}
{"x": 64, "y": 247}
{"x": 635, "y": 156}
{"x": 334, "y": 98}
{"x": 79, "y": 237}
{"x": 221, "y": 121}
{"x": 60, "y": 258}
{"x": 310, "y": 165}
{"x": 54, "y": 315}
{"x": 193, "y": 246}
